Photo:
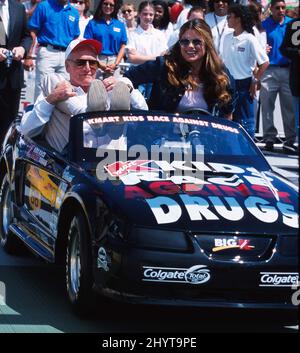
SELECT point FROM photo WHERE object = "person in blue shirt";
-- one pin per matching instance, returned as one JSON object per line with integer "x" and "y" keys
{"x": 54, "y": 23}
{"x": 276, "y": 81}
{"x": 107, "y": 29}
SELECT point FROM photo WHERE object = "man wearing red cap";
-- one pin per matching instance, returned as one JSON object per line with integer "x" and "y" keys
{"x": 60, "y": 99}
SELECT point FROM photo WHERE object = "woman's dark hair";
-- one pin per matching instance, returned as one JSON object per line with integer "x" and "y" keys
{"x": 256, "y": 10}
{"x": 212, "y": 75}
{"x": 99, "y": 13}
{"x": 245, "y": 15}
{"x": 165, "y": 20}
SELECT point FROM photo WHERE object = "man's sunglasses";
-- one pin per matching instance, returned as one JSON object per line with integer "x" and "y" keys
{"x": 280, "y": 7}
{"x": 187, "y": 42}
{"x": 124, "y": 11}
{"x": 93, "y": 64}
{"x": 77, "y": 2}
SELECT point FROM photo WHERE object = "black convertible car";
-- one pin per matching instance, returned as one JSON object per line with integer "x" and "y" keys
{"x": 154, "y": 208}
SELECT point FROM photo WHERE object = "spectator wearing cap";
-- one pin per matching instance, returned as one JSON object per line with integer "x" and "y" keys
{"x": 55, "y": 23}
{"x": 60, "y": 98}
{"x": 14, "y": 37}
{"x": 276, "y": 81}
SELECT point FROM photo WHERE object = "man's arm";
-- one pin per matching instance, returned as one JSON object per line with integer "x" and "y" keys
{"x": 33, "y": 122}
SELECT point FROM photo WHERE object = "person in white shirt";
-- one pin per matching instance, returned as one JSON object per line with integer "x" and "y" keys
{"x": 182, "y": 18}
{"x": 82, "y": 6}
{"x": 146, "y": 42}
{"x": 217, "y": 21}
{"x": 162, "y": 20}
{"x": 243, "y": 53}
{"x": 60, "y": 99}
{"x": 194, "y": 13}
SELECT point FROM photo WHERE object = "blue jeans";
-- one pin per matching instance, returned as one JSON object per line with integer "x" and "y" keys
{"x": 244, "y": 111}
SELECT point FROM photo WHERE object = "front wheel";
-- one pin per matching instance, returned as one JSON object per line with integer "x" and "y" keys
{"x": 8, "y": 241}
{"x": 79, "y": 275}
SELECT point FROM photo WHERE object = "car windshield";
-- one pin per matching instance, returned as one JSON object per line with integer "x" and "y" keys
{"x": 215, "y": 139}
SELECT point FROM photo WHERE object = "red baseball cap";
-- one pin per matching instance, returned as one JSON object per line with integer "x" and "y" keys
{"x": 82, "y": 42}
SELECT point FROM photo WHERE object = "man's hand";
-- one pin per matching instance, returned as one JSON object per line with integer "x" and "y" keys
{"x": 18, "y": 53}
{"x": 2, "y": 54}
{"x": 109, "y": 83}
{"x": 61, "y": 92}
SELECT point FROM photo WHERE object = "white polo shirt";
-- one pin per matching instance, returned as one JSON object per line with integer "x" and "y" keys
{"x": 219, "y": 29}
{"x": 242, "y": 53}
{"x": 151, "y": 42}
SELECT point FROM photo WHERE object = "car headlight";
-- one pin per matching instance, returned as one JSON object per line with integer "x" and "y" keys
{"x": 159, "y": 239}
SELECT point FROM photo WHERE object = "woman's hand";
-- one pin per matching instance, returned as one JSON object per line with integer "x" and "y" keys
{"x": 111, "y": 68}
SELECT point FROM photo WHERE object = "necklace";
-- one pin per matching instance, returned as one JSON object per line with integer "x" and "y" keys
{"x": 218, "y": 30}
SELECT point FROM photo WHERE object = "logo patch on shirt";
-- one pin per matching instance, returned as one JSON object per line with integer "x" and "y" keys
{"x": 241, "y": 49}
{"x": 116, "y": 29}
{"x": 71, "y": 18}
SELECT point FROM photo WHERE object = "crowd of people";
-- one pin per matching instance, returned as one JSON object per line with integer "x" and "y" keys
{"x": 227, "y": 57}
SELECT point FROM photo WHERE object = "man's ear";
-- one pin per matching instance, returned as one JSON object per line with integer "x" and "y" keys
{"x": 67, "y": 64}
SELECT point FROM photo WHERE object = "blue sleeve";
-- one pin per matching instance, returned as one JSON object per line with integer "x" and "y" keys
{"x": 148, "y": 72}
{"x": 37, "y": 18}
{"x": 88, "y": 32}
{"x": 124, "y": 38}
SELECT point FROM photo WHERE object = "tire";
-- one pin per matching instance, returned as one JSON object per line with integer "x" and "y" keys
{"x": 8, "y": 241}
{"x": 79, "y": 272}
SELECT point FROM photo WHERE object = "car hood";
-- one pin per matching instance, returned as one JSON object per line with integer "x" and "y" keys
{"x": 242, "y": 199}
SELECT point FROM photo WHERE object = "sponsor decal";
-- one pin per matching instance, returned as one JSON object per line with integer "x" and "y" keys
{"x": 197, "y": 274}
{"x": 34, "y": 199}
{"x": 103, "y": 260}
{"x": 67, "y": 175}
{"x": 120, "y": 168}
{"x": 167, "y": 210}
{"x": 225, "y": 244}
{"x": 116, "y": 29}
{"x": 278, "y": 279}
{"x": 37, "y": 155}
{"x": 241, "y": 49}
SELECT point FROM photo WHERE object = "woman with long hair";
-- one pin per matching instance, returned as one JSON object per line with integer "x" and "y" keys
{"x": 191, "y": 76}
{"x": 242, "y": 55}
{"x": 107, "y": 29}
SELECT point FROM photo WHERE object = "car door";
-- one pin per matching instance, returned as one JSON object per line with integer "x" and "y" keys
{"x": 41, "y": 185}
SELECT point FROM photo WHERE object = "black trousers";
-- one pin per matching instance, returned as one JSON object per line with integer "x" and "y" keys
{"x": 9, "y": 107}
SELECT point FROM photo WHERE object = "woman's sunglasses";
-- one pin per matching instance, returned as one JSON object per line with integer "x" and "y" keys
{"x": 77, "y": 2}
{"x": 124, "y": 11}
{"x": 187, "y": 42}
